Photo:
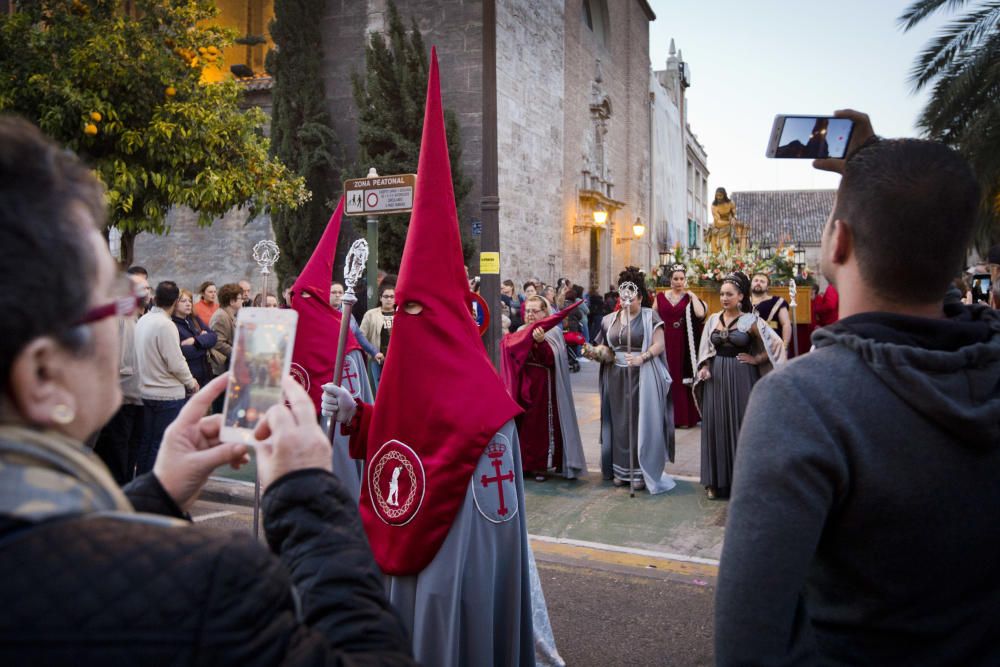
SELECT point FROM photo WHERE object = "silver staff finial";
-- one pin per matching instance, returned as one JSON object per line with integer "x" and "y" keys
{"x": 627, "y": 292}
{"x": 354, "y": 265}
{"x": 266, "y": 254}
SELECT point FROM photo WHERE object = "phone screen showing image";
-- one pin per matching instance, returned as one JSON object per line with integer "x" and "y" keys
{"x": 261, "y": 357}
{"x": 814, "y": 137}
{"x": 981, "y": 285}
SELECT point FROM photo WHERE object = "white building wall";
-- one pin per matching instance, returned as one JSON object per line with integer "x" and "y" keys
{"x": 530, "y": 81}
{"x": 669, "y": 215}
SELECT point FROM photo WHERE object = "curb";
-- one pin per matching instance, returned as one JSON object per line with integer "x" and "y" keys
{"x": 228, "y": 492}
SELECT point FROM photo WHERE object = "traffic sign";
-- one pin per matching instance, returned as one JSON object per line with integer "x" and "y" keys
{"x": 379, "y": 195}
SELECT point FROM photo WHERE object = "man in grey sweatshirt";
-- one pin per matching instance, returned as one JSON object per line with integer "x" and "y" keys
{"x": 868, "y": 532}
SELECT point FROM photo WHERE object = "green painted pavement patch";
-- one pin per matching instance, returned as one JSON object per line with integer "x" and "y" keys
{"x": 682, "y": 521}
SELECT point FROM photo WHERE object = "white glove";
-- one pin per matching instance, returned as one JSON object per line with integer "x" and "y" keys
{"x": 337, "y": 403}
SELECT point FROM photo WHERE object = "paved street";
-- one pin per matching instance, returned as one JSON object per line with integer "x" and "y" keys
{"x": 627, "y": 580}
{"x": 606, "y": 608}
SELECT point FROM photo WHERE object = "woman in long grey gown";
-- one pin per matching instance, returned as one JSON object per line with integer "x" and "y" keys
{"x": 643, "y": 373}
{"x": 737, "y": 348}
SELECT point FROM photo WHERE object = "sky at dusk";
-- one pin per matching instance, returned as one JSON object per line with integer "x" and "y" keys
{"x": 750, "y": 60}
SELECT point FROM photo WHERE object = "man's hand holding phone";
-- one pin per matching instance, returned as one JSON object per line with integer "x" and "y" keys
{"x": 862, "y": 133}
{"x": 290, "y": 436}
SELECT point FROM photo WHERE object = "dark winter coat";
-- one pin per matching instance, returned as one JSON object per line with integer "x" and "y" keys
{"x": 197, "y": 354}
{"x": 137, "y": 589}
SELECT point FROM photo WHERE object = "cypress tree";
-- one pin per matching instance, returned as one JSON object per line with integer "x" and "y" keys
{"x": 390, "y": 99}
{"x": 301, "y": 134}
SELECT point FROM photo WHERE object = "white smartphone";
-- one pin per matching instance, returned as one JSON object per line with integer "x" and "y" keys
{"x": 809, "y": 137}
{"x": 262, "y": 355}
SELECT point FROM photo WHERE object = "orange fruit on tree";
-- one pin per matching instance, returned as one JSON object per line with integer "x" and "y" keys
{"x": 95, "y": 116}
{"x": 90, "y": 129}
{"x": 170, "y": 91}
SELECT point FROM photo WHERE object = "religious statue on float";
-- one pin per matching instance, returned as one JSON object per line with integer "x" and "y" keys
{"x": 727, "y": 232}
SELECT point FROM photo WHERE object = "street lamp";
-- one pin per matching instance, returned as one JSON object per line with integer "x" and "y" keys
{"x": 638, "y": 229}
{"x": 600, "y": 216}
{"x": 800, "y": 259}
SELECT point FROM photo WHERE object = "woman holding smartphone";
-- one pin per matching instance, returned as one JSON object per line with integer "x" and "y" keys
{"x": 737, "y": 348}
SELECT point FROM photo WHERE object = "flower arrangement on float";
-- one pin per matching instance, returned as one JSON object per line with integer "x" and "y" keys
{"x": 707, "y": 269}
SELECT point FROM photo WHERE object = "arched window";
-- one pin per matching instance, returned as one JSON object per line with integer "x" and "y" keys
{"x": 595, "y": 17}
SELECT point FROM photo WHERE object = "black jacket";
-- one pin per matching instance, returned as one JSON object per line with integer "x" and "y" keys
{"x": 196, "y": 354}
{"x": 131, "y": 590}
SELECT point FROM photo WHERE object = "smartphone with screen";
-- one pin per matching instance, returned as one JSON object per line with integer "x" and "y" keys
{"x": 262, "y": 355}
{"x": 809, "y": 137}
{"x": 981, "y": 285}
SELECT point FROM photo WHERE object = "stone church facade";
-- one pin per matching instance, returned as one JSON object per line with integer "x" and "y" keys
{"x": 574, "y": 121}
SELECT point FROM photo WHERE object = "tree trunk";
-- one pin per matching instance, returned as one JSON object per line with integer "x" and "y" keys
{"x": 127, "y": 249}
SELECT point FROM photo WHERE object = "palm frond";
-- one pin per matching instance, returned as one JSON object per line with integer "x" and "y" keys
{"x": 963, "y": 35}
{"x": 920, "y": 10}
{"x": 963, "y": 93}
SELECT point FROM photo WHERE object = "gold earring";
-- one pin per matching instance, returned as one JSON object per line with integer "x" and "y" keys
{"x": 63, "y": 414}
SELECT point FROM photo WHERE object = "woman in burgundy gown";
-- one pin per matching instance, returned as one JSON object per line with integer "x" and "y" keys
{"x": 676, "y": 308}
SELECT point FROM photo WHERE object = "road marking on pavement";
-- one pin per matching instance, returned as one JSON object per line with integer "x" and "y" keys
{"x": 212, "y": 515}
{"x": 609, "y": 554}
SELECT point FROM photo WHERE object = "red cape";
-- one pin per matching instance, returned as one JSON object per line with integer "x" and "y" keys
{"x": 319, "y": 323}
{"x": 515, "y": 348}
{"x": 439, "y": 400}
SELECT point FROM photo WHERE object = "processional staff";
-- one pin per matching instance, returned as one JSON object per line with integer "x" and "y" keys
{"x": 266, "y": 254}
{"x": 627, "y": 293}
{"x": 792, "y": 292}
{"x": 354, "y": 268}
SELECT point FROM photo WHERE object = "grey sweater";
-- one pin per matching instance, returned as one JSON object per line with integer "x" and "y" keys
{"x": 864, "y": 527}
{"x": 163, "y": 373}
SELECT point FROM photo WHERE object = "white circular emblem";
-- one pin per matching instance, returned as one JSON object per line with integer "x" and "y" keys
{"x": 396, "y": 483}
{"x": 300, "y": 375}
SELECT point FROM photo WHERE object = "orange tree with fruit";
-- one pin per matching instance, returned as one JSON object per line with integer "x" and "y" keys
{"x": 124, "y": 90}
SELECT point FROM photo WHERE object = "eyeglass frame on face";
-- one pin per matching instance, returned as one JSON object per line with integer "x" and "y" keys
{"x": 537, "y": 311}
{"x": 120, "y": 307}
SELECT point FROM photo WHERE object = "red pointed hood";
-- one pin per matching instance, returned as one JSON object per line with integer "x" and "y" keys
{"x": 319, "y": 322}
{"x": 439, "y": 400}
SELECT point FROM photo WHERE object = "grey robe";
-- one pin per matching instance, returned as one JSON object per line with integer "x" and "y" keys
{"x": 471, "y": 606}
{"x": 346, "y": 469}
{"x": 656, "y": 414}
{"x": 573, "y": 463}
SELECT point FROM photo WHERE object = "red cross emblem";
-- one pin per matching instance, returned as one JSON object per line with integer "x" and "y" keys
{"x": 347, "y": 377}
{"x": 497, "y": 505}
